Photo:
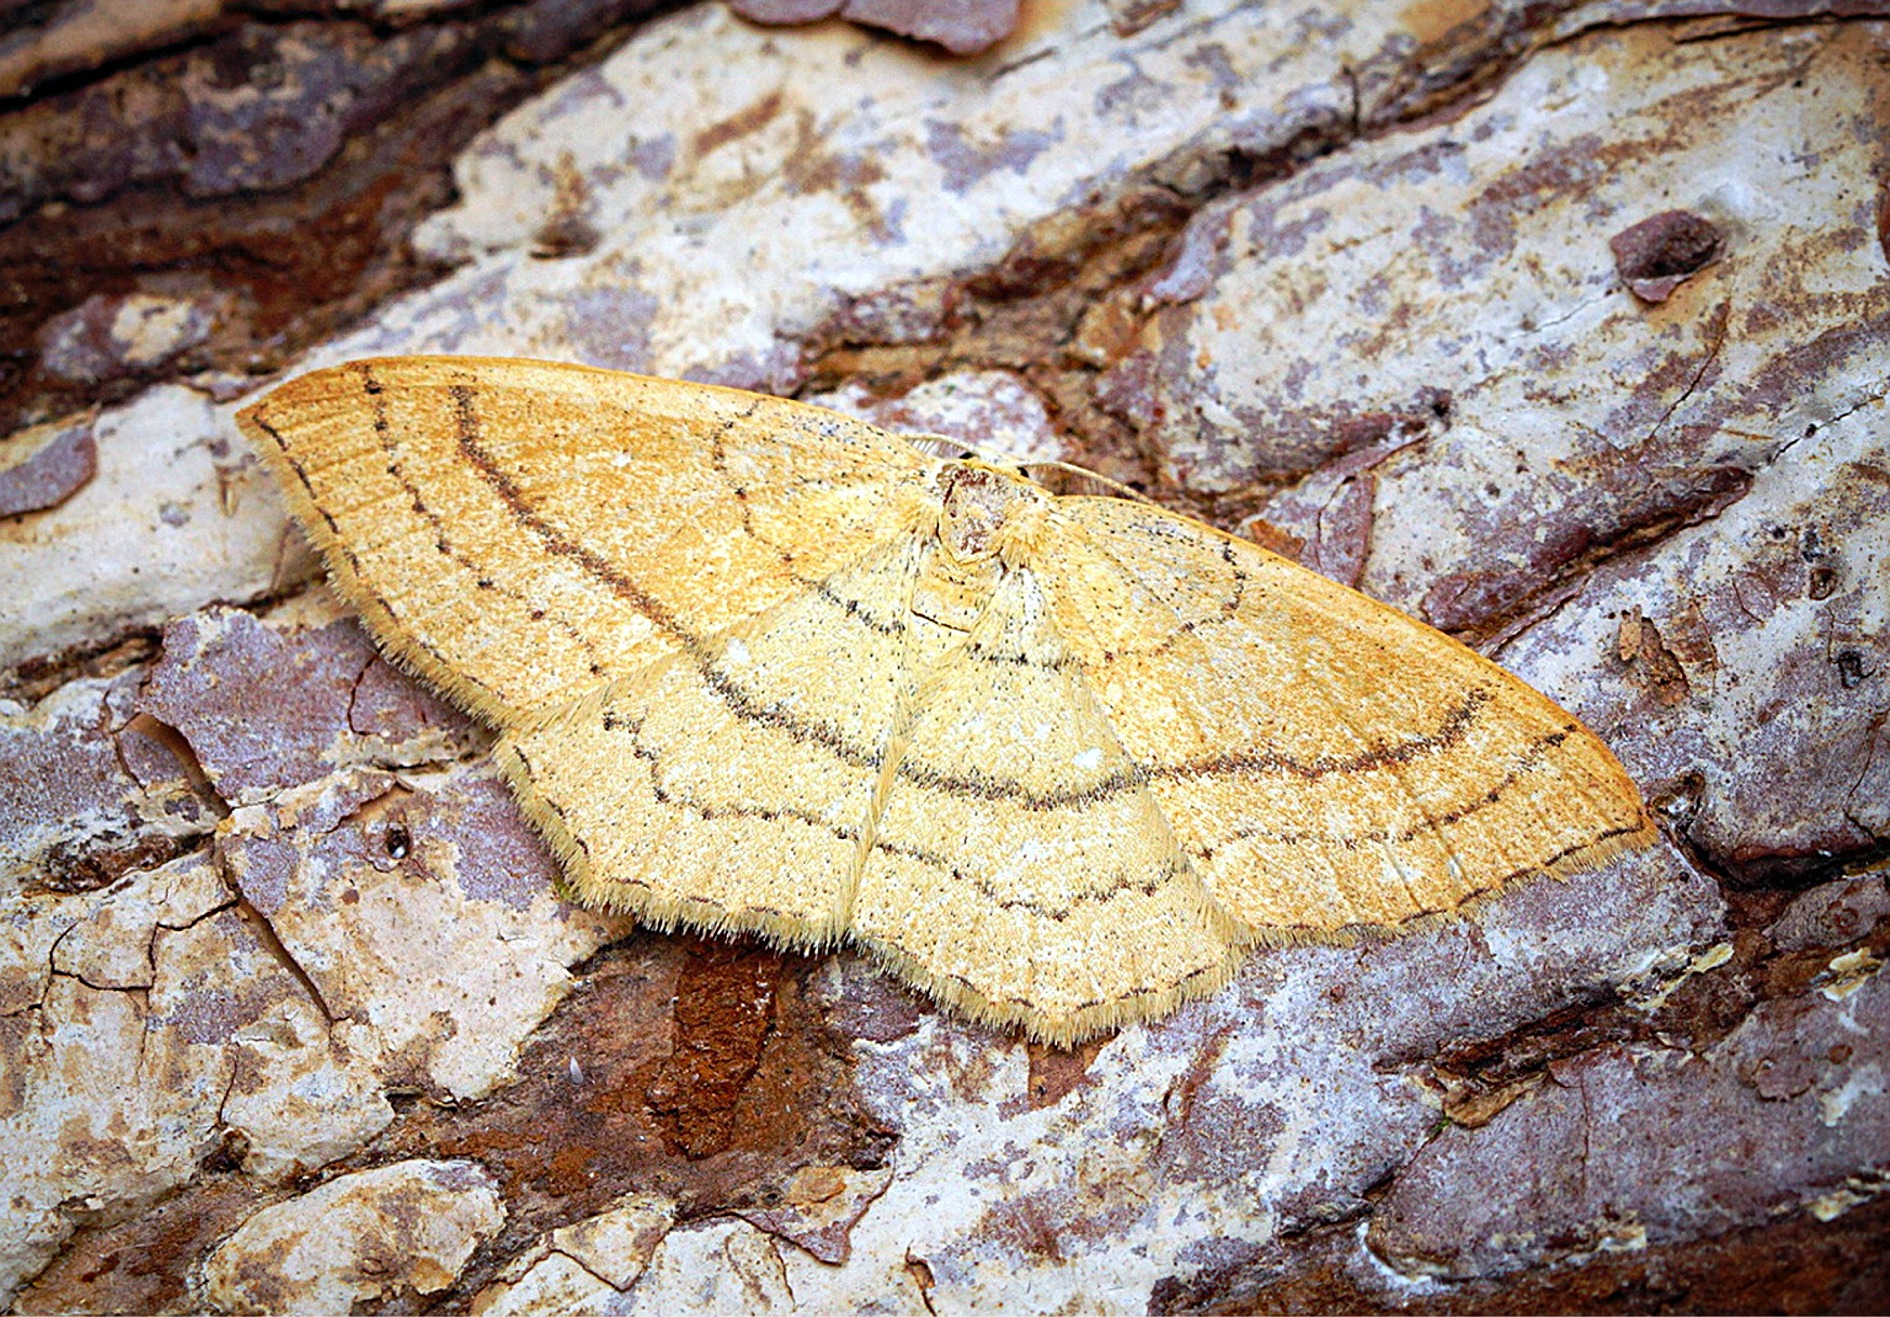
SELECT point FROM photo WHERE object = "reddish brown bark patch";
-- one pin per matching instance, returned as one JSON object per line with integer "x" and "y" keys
{"x": 1056, "y": 1072}
{"x": 266, "y": 180}
{"x": 1651, "y": 664}
{"x": 1793, "y": 1266}
{"x": 724, "y": 1008}
{"x": 1661, "y": 252}
{"x": 144, "y": 1264}
{"x": 689, "y": 1068}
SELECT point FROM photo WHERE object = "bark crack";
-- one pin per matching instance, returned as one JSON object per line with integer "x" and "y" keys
{"x": 266, "y": 934}
{"x": 1722, "y": 318}
{"x": 592, "y": 1272}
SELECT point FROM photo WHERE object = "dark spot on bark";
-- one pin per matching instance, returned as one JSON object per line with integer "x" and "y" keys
{"x": 1056, "y": 1072}
{"x": 227, "y": 1156}
{"x": 1657, "y": 254}
{"x": 1851, "y": 670}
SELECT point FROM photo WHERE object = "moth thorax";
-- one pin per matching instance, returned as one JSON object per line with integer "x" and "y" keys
{"x": 984, "y": 508}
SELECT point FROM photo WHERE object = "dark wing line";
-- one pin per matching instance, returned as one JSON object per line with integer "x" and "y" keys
{"x": 1529, "y": 758}
{"x": 564, "y": 820}
{"x": 1452, "y": 730}
{"x": 1321, "y": 934}
{"x": 746, "y": 705}
{"x": 984, "y": 786}
{"x": 383, "y": 434}
{"x": 857, "y": 610}
{"x": 335, "y": 545}
{"x": 470, "y": 434}
{"x": 619, "y": 582}
{"x": 639, "y": 749}
{"x": 861, "y": 472}
{"x": 680, "y": 804}
{"x": 1101, "y": 896}
{"x": 718, "y": 459}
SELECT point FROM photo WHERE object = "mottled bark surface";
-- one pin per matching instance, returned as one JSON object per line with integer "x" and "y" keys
{"x": 1564, "y": 327}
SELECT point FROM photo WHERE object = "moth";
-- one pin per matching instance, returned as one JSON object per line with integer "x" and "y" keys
{"x": 1057, "y": 761}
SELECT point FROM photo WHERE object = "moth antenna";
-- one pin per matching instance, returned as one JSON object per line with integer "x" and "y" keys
{"x": 944, "y": 446}
{"x": 1116, "y": 486}
{"x": 948, "y": 448}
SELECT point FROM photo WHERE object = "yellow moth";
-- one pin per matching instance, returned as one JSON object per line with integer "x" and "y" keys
{"x": 1057, "y": 761}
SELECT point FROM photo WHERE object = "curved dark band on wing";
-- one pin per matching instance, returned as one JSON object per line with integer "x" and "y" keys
{"x": 1100, "y": 896}
{"x": 594, "y": 565}
{"x": 986, "y": 786}
{"x": 337, "y": 545}
{"x": 744, "y": 705}
{"x": 857, "y": 610}
{"x": 1527, "y": 761}
{"x": 633, "y": 729}
{"x": 1319, "y": 933}
{"x": 680, "y": 804}
{"x": 1448, "y": 734}
{"x": 384, "y": 436}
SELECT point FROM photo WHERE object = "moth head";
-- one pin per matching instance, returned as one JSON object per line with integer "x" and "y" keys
{"x": 989, "y": 512}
